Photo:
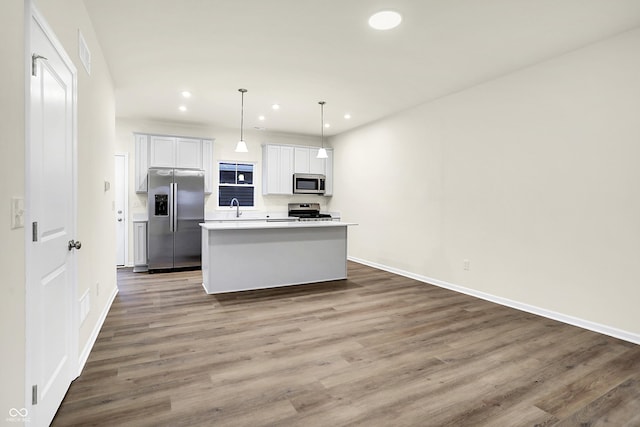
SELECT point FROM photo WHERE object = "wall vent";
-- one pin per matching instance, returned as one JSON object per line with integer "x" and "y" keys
{"x": 84, "y": 52}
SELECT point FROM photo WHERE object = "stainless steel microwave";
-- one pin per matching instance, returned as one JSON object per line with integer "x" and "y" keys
{"x": 305, "y": 183}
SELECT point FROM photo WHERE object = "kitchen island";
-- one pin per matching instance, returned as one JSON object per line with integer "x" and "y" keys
{"x": 245, "y": 255}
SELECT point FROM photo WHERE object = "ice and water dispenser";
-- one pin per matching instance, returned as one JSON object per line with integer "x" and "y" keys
{"x": 162, "y": 205}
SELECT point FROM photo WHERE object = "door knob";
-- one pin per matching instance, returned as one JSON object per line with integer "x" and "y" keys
{"x": 73, "y": 244}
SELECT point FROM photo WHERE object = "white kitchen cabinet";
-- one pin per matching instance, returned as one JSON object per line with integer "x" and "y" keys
{"x": 316, "y": 165}
{"x": 140, "y": 262}
{"x": 280, "y": 162}
{"x": 307, "y": 161}
{"x": 188, "y": 153}
{"x": 141, "y": 162}
{"x": 172, "y": 152}
{"x": 277, "y": 169}
{"x": 328, "y": 172}
{"x": 301, "y": 160}
{"x": 162, "y": 152}
{"x": 207, "y": 165}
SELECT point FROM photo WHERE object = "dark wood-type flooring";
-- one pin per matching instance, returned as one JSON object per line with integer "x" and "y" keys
{"x": 374, "y": 350}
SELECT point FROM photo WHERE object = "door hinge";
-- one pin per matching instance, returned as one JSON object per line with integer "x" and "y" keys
{"x": 34, "y": 65}
{"x": 34, "y": 394}
{"x": 34, "y": 231}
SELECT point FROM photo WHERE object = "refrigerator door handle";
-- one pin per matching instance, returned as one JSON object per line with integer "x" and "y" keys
{"x": 175, "y": 207}
{"x": 172, "y": 198}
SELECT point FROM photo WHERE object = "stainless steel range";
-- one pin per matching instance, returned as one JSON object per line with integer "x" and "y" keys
{"x": 308, "y": 212}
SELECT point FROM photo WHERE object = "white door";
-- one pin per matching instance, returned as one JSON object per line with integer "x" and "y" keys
{"x": 52, "y": 310}
{"x": 121, "y": 180}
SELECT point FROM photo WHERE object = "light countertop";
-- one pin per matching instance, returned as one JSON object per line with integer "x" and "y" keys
{"x": 231, "y": 216}
{"x": 257, "y": 225}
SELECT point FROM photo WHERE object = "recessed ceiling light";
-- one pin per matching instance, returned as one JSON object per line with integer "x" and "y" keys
{"x": 327, "y": 125}
{"x": 186, "y": 94}
{"x": 347, "y": 116}
{"x": 182, "y": 108}
{"x": 275, "y": 106}
{"x": 261, "y": 118}
{"x": 385, "y": 20}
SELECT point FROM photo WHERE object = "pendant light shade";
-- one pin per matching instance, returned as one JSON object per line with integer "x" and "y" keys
{"x": 322, "y": 153}
{"x": 241, "y": 147}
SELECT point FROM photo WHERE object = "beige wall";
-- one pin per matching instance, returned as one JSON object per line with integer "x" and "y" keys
{"x": 223, "y": 150}
{"x": 532, "y": 177}
{"x": 12, "y": 320}
{"x": 96, "y": 124}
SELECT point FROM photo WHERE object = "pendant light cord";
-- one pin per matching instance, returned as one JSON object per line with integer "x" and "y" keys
{"x": 321, "y": 123}
{"x": 242, "y": 91}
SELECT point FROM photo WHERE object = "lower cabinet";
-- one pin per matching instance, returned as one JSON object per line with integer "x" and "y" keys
{"x": 140, "y": 262}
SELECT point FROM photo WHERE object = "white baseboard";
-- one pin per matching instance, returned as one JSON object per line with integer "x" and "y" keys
{"x": 581, "y": 323}
{"x": 82, "y": 360}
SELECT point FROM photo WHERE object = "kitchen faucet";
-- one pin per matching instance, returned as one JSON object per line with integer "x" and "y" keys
{"x": 238, "y": 213}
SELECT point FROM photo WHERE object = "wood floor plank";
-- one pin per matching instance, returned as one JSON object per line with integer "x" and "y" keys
{"x": 615, "y": 408}
{"x": 376, "y": 349}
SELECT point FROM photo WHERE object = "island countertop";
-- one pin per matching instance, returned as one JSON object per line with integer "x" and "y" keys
{"x": 253, "y": 225}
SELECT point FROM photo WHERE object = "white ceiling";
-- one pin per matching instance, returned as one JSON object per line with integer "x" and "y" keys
{"x": 298, "y": 52}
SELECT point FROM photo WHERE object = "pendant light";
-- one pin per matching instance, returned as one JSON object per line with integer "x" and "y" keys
{"x": 322, "y": 153}
{"x": 241, "y": 147}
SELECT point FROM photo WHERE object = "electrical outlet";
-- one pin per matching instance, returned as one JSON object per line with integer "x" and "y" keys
{"x": 97, "y": 288}
{"x": 466, "y": 264}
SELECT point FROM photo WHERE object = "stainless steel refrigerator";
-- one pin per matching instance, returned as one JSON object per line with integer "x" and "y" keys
{"x": 176, "y": 207}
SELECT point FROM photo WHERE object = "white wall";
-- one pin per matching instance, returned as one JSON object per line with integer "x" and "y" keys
{"x": 12, "y": 167}
{"x": 96, "y": 123}
{"x": 532, "y": 177}
{"x": 224, "y": 144}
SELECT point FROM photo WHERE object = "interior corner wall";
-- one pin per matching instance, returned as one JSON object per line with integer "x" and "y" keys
{"x": 95, "y": 163}
{"x": 531, "y": 178}
{"x": 12, "y": 241}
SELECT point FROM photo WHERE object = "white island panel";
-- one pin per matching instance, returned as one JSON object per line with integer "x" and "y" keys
{"x": 244, "y": 257}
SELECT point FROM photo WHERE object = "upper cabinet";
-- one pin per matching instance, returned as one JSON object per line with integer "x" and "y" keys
{"x": 168, "y": 152}
{"x": 328, "y": 171}
{"x": 162, "y": 151}
{"x": 207, "y": 165}
{"x": 189, "y": 153}
{"x": 141, "y": 162}
{"x": 277, "y": 169}
{"x": 306, "y": 161}
{"x": 280, "y": 162}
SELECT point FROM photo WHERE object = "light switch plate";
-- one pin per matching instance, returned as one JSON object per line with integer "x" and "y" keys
{"x": 17, "y": 212}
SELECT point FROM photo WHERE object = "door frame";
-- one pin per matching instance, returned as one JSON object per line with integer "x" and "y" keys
{"x": 125, "y": 178}
{"x": 32, "y": 13}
